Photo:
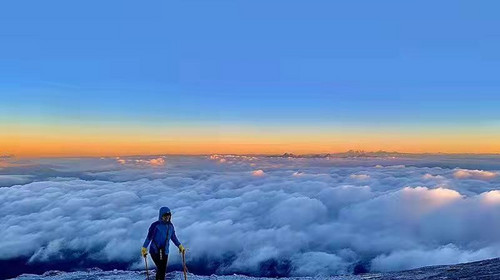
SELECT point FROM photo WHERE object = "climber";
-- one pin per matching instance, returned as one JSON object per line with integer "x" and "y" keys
{"x": 159, "y": 235}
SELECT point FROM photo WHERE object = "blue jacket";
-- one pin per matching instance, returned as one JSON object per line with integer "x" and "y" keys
{"x": 160, "y": 233}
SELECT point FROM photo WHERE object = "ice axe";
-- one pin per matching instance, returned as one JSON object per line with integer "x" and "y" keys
{"x": 146, "y": 262}
{"x": 184, "y": 264}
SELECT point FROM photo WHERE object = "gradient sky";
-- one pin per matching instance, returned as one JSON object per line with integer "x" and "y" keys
{"x": 122, "y": 77}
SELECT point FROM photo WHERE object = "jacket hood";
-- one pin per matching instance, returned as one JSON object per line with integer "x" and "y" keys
{"x": 164, "y": 210}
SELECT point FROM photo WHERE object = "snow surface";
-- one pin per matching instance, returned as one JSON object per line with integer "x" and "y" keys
{"x": 488, "y": 269}
{"x": 136, "y": 275}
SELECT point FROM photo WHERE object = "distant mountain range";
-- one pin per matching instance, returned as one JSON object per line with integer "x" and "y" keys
{"x": 6, "y": 156}
{"x": 348, "y": 154}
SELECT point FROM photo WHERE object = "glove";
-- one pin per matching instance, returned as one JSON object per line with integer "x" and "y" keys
{"x": 144, "y": 251}
{"x": 181, "y": 249}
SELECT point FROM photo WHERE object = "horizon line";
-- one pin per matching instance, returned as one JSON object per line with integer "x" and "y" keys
{"x": 13, "y": 156}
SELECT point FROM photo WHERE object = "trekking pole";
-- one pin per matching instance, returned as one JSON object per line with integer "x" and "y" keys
{"x": 146, "y": 261}
{"x": 184, "y": 264}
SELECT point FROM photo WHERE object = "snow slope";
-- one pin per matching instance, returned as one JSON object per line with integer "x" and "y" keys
{"x": 487, "y": 269}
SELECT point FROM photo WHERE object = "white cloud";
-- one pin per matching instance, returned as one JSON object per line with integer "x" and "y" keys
{"x": 298, "y": 212}
{"x": 491, "y": 197}
{"x": 160, "y": 161}
{"x": 428, "y": 176}
{"x": 474, "y": 174}
{"x": 157, "y": 161}
{"x": 319, "y": 264}
{"x": 10, "y": 180}
{"x": 258, "y": 173}
{"x": 361, "y": 177}
{"x": 447, "y": 254}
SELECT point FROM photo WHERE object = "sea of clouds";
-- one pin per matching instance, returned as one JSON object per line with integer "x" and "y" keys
{"x": 252, "y": 215}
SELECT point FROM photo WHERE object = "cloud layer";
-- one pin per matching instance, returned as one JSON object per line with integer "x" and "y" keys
{"x": 255, "y": 215}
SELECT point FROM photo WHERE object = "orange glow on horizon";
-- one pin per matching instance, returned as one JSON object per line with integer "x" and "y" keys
{"x": 63, "y": 142}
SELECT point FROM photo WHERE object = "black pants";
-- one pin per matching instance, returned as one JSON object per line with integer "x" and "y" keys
{"x": 161, "y": 265}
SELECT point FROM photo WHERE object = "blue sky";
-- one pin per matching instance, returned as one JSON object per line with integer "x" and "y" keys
{"x": 422, "y": 63}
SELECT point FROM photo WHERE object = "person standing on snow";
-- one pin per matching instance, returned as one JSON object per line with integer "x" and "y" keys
{"x": 159, "y": 235}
